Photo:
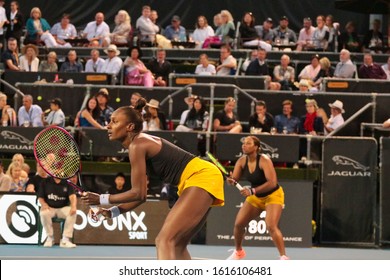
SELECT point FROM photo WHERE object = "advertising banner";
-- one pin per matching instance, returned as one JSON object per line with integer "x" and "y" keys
{"x": 384, "y": 193}
{"x": 348, "y": 190}
{"x": 18, "y": 139}
{"x": 19, "y": 223}
{"x": 280, "y": 148}
{"x": 295, "y": 222}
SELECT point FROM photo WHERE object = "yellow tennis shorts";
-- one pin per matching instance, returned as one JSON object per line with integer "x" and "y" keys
{"x": 277, "y": 197}
{"x": 205, "y": 175}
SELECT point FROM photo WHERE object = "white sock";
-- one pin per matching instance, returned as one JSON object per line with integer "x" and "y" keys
{"x": 65, "y": 239}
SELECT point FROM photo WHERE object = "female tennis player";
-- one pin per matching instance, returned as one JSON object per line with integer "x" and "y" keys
{"x": 265, "y": 194}
{"x": 200, "y": 183}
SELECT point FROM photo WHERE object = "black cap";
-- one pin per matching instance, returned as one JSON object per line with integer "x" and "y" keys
{"x": 120, "y": 174}
{"x": 284, "y": 18}
{"x": 175, "y": 18}
{"x": 56, "y": 101}
{"x": 269, "y": 20}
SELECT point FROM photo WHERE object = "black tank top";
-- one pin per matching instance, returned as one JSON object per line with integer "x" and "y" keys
{"x": 169, "y": 163}
{"x": 257, "y": 177}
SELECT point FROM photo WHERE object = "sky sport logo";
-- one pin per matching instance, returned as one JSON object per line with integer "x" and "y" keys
{"x": 18, "y": 142}
{"x": 352, "y": 168}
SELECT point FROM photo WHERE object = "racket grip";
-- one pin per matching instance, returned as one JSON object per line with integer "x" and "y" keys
{"x": 238, "y": 186}
{"x": 94, "y": 209}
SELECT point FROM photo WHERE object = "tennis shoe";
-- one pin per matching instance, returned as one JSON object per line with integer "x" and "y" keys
{"x": 67, "y": 244}
{"x": 48, "y": 243}
{"x": 284, "y": 258}
{"x": 237, "y": 255}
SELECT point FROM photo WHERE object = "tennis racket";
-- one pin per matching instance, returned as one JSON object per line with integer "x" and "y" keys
{"x": 223, "y": 170}
{"x": 58, "y": 154}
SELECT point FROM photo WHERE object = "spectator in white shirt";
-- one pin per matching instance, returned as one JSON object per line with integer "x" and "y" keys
{"x": 204, "y": 67}
{"x": 228, "y": 62}
{"x": 3, "y": 20}
{"x": 202, "y": 32}
{"x": 29, "y": 114}
{"x": 386, "y": 68}
{"x": 95, "y": 63}
{"x": 56, "y": 116}
{"x": 336, "y": 118}
{"x": 113, "y": 64}
{"x": 97, "y": 30}
{"x": 147, "y": 29}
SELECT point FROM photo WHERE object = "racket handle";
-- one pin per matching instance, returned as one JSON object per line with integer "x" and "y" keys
{"x": 238, "y": 186}
{"x": 94, "y": 209}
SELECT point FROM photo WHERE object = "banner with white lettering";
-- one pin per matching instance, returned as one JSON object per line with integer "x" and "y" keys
{"x": 19, "y": 223}
{"x": 295, "y": 222}
{"x": 18, "y": 139}
{"x": 384, "y": 199}
{"x": 348, "y": 190}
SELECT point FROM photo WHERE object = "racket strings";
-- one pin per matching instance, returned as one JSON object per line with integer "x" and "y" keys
{"x": 58, "y": 153}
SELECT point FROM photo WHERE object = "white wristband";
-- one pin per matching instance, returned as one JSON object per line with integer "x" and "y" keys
{"x": 104, "y": 199}
{"x": 115, "y": 211}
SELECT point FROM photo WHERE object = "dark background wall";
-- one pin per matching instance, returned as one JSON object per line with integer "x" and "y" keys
{"x": 83, "y": 11}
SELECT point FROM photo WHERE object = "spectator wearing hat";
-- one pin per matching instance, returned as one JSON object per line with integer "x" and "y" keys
{"x": 136, "y": 71}
{"x": 71, "y": 65}
{"x": 97, "y": 30}
{"x": 49, "y": 65}
{"x": 371, "y": 70}
{"x": 113, "y": 63}
{"x": 106, "y": 111}
{"x": 189, "y": 100}
{"x": 56, "y": 116}
{"x": 120, "y": 184}
{"x": 29, "y": 61}
{"x": 154, "y": 119}
{"x": 303, "y": 85}
{"x": 311, "y": 123}
{"x": 175, "y": 31}
{"x": 283, "y": 33}
{"x": 336, "y": 116}
{"x": 265, "y": 32}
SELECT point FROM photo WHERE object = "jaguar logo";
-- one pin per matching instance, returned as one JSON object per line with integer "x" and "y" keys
{"x": 10, "y": 135}
{"x": 342, "y": 160}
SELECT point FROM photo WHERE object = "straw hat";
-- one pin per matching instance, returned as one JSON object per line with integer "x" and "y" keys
{"x": 302, "y": 83}
{"x": 153, "y": 103}
{"x": 113, "y": 48}
{"x": 103, "y": 92}
{"x": 28, "y": 46}
{"x": 190, "y": 99}
{"x": 337, "y": 104}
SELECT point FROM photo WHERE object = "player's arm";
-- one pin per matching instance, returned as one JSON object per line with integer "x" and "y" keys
{"x": 270, "y": 174}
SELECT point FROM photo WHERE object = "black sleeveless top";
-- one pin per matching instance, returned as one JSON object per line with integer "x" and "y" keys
{"x": 169, "y": 163}
{"x": 257, "y": 177}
